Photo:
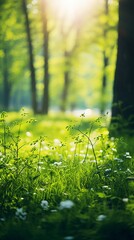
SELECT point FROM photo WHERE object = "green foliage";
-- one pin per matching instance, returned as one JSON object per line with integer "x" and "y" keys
{"x": 77, "y": 182}
{"x": 83, "y": 39}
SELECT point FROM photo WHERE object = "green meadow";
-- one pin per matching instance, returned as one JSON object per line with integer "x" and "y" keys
{"x": 67, "y": 157}
{"x": 64, "y": 177}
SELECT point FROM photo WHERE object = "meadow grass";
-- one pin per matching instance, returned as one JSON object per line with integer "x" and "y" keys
{"x": 62, "y": 177}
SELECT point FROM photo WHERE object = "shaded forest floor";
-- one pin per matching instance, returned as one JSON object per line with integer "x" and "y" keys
{"x": 62, "y": 177}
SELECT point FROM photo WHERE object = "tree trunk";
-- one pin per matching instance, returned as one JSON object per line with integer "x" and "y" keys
{"x": 66, "y": 82}
{"x": 123, "y": 91}
{"x": 105, "y": 61}
{"x": 104, "y": 83}
{"x": 6, "y": 83}
{"x": 31, "y": 58}
{"x": 45, "y": 102}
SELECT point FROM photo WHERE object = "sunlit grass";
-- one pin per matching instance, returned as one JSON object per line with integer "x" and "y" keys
{"x": 62, "y": 171}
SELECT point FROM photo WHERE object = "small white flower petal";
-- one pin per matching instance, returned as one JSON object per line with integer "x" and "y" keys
{"x": 125, "y": 200}
{"x": 101, "y": 218}
{"x": 69, "y": 238}
{"x": 67, "y": 204}
{"x": 44, "y": 204}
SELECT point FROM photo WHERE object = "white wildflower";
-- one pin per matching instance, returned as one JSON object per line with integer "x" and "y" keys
{"x": 44, "y": 204}
{"x": 2, "y": 219}
{"x": 89, "y": 146}
{"x": 105, "y": 187}
{"x": 127, "y": 153}
{"x": 118, "y": 160}
{"x": 72, "y": 149}
{"x": 114, "y": 150}
{"x": 40, "y": 189}
{"x": 101, "y": 218}
{"x": 28, "y": 134}
{"x": 57, "y": 163}
{"x": 69, "y": 238}
{"x": 108, "y": 170}
{"x": 57, "y": 142}
{"x": 53, "y": 210}
{"x": 21, "y": 214}
{"x": 39, "y": 168}
{"x": 66, "y": 204}
{"x": 125, "y": 200}
{"x": 93, "y": 161}
{"x": 129, "y": 171}
{"x": 72, "y": 144}
{"x": 40, "y": 163}
{"x": 46, "y": 148}
{"x": 82, "y": 155}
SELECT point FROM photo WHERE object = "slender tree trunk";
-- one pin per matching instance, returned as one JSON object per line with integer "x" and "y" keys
{"x": 105, "y": 62}
{"x": 104, "y": 83}
{"x": 6, "y": 83}
{"x": 65, "y": 91}
{"x": 45, "y": 102}
{"x": 31, "y": 58}
{"x": 68, "y": 54}
{"x": 123, "y": 90}
{"x": 66, "y": 82}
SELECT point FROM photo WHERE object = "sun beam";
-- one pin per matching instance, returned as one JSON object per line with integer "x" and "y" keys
{"x": 70, "y": 9}
{"x": 70, "y": 6}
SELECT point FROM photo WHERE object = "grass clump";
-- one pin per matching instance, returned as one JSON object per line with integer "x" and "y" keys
{"x": 76, "y": 184}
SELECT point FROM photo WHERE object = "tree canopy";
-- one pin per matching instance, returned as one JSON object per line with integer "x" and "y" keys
{"x": 58, "y": 40}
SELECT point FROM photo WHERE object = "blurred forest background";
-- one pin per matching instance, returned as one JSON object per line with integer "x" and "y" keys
{"x": 57, "y": 54}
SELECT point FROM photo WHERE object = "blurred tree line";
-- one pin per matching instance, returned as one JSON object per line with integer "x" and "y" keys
{"x": 51, "y": 60}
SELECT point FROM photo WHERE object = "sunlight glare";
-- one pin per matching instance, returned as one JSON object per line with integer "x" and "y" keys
{"x": 70, "y": 9}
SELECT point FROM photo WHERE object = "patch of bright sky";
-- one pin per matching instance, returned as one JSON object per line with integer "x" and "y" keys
{"x": 70, "y": 9}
